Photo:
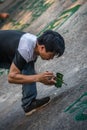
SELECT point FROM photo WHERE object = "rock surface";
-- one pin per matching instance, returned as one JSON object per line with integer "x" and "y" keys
{"x": 68, "y": 108}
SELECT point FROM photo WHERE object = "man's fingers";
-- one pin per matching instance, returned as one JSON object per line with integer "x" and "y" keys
{"x": 48, "y": 73}
{"x": 54, "y": 81}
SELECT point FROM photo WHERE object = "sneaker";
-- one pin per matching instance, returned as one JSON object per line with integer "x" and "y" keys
{"x": 36, "y": 104}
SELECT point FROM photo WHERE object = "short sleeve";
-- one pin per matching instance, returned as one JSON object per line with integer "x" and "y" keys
{"x": 19, "y": 61}
{"x": 26, "y": 46}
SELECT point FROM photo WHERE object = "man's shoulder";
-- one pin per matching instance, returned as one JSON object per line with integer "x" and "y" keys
{"x": 29, "y": 36}
{"x": 27, "y": 42}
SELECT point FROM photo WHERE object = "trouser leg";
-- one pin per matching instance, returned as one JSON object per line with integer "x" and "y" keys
{"x": 29, "y": 91}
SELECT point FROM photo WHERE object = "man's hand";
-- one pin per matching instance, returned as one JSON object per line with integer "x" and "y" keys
{"x": 47, "y": 78}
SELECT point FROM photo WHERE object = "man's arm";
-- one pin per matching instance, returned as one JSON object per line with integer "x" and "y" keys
{"x": 16, "y": 77}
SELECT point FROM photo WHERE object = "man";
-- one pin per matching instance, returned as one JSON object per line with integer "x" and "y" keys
{"x": 19, "y": 51}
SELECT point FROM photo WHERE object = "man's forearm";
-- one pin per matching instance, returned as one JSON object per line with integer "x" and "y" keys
{"x": 21, "y": 79}
{"x": 16, "y": 77}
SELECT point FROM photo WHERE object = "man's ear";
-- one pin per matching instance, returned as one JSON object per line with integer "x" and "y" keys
{"x": 42, "y": 47}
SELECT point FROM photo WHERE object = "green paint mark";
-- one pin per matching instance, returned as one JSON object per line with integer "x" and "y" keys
{"x": 78, "y": 108}
{"x": 55, "y": 24}
{"x": 73, "y": 0}
{"x": 35, "y": 7}
{"x": 1, "y": 1}
{"x": 84, "y": 13}
{"x": 1, "y": 72}
{"x": 66, "y": 31}
{"x": 15, "y": 7}
{"x": 81, "y": 116}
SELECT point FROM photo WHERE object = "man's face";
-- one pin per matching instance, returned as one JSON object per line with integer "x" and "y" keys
{"x": 45, "y": 55}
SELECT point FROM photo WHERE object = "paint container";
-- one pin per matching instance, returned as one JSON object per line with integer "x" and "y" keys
{"x": 59, "y": 80}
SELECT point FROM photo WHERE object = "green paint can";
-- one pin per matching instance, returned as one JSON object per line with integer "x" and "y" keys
{"x": 59, "y": 80}
{"x": 1, "y": 1}
{"x": 73, "y": 0}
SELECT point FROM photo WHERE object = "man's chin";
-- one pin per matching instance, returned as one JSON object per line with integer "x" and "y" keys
{"x": 43, "y": 58}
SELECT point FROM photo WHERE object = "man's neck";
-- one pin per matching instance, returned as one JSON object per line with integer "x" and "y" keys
{"x": 36, "y": 50}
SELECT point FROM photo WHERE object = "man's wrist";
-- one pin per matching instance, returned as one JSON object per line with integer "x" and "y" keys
{"x": 37, "y": 78}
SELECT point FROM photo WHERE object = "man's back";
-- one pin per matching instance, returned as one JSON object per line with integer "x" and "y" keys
{"x": 9, "y": 40}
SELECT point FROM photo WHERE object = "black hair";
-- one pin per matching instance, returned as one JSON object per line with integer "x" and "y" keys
{"x": 52, "y": 41}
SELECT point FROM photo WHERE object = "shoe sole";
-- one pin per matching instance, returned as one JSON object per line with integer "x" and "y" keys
{"x": 34, "y": 110}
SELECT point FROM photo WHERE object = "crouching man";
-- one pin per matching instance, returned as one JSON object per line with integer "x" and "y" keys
{"x": 19, "y": 51}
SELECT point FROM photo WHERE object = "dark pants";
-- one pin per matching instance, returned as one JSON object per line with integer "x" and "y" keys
{"x": 29, "y": 91}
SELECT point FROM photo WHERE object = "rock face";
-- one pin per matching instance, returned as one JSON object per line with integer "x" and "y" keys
{"x": 68, "y": 109}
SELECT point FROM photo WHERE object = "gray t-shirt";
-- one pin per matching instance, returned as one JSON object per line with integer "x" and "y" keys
{"x": 26, "y": 47}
